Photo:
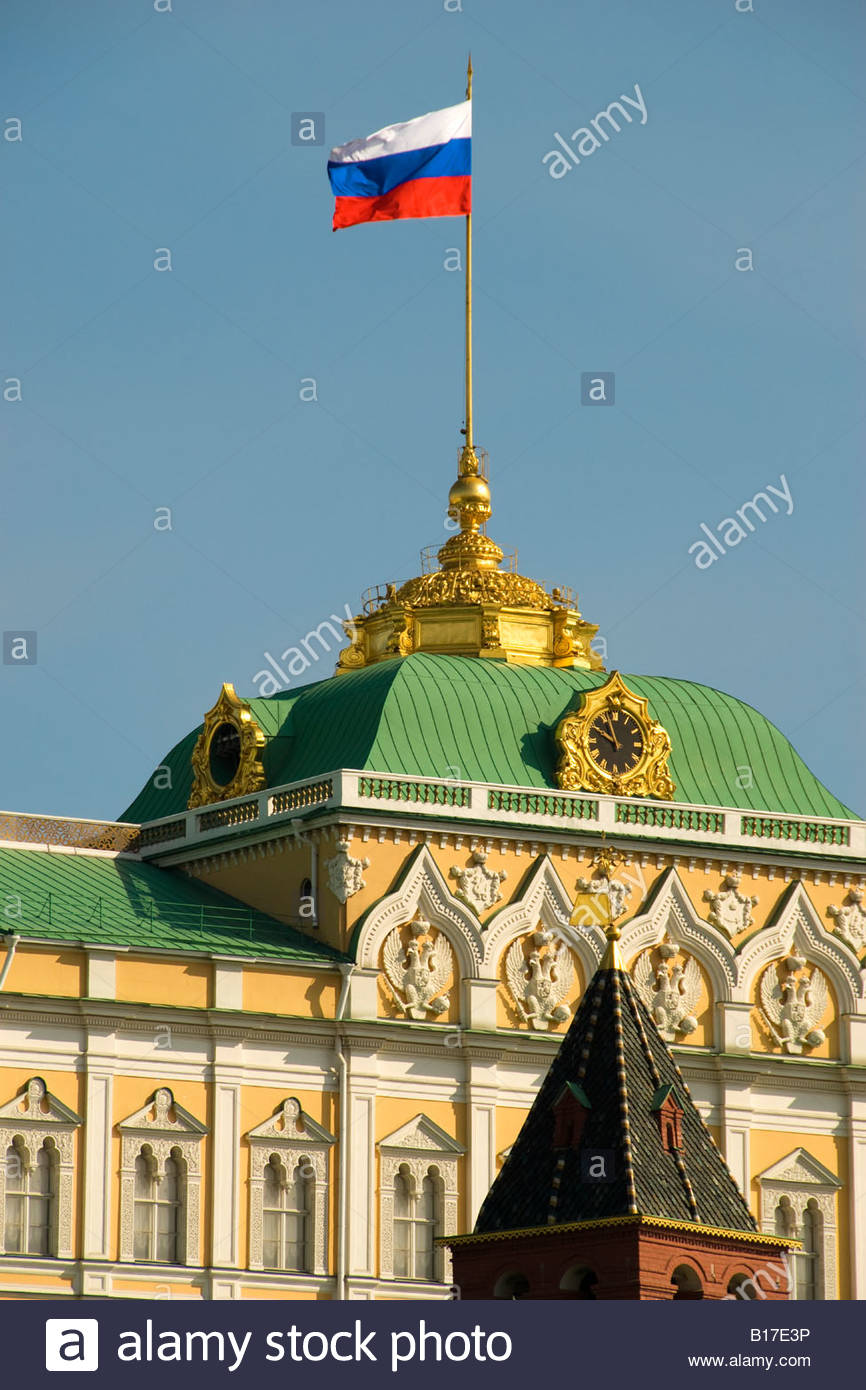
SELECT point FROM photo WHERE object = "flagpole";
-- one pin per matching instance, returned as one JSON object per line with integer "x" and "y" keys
{"x": 468, "y": 422}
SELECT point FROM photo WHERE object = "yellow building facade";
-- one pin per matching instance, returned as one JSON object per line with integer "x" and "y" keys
{"x": 271, "y": 1034}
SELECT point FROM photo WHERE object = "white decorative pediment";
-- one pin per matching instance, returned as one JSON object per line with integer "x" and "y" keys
{"x": 544, "y": 904}
{"x": 421, "y": 1134}
{"x": 36, "y": 1106}
{"x": 290, "y": 1124}
{"x": 423, "y": 893}
{"x": 669, "y": 912}
{"x": 798, "y": 928}
{"x": 162, "y": 1115}
{"x": 801, "y": 1168}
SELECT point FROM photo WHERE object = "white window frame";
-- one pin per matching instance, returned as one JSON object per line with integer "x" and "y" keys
{"x": 154, "y": 1202}
{"x": 420, "y": 1145}
{"x": 163, "y": 1125}
{"x": 31, "y": 1117}
{"x": 296, "y": 1139}
{"x": 414, "y": 1183}
{"x": 801, "y": 1178}
{"x": 28, "y": 1197}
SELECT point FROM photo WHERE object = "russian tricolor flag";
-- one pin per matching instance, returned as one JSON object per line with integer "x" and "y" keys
{"x": 420, "y": 168}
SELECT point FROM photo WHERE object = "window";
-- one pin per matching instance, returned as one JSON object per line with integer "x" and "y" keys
{"x": 37, "y": 1147}
{"x": 285, "y": 1221}
{"x": 806, "y": 1262}
{"x": 417, "y": 1201}
{"x": 798, "y": 1199}
{"x": 289, "y": 1167}
{"x": 157, "y": 1208}
{"x": 30, "y": 1197}
{"x": 415, "y": 1217}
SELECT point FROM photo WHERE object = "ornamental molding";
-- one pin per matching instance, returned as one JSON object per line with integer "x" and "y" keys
{"x": 797, "y": 927}
{"x": 36, "y": 1107}
{"x": 670, "y": 914}
{"x": 162, "y": 1115}
{"x": 249, "y": 776}
{"x": 477, "y": 885}
{"x": 850, "y": 919}
{"x": 577, "y": 770}
{"x": 345, "y": 873}
{"x": 36, "y": 1117}
{"x": 421, "y": 1133}
{"x": 539, "y": 972}
{"x": 801, "y": 1169}
{"x": 167, "y": 1130}
{"x": 730, "y": 910}
{"x": 423, "y": 892}
{"x": 544, "y": 904}
{"x": 614, "y": 890}
{"x": 794, "y": 1001}
{"x": 669, "y": 983}
{"x": 419, "y": 967}
{"x": 290, "y": 1124}
{"x": 295, "y": 1138}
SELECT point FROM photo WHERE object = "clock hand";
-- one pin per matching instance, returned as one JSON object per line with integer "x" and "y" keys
{"x": 613, "y": 738}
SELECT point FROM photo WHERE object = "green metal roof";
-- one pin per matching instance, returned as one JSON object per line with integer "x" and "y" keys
{"x": 110, "y": 901}
{"x": 449, "y": 716}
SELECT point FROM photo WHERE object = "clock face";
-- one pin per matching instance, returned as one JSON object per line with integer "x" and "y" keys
{"x": 616, "y": 741}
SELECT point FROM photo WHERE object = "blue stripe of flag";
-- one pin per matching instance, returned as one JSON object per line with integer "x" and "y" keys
{"x": 370, "y": 178}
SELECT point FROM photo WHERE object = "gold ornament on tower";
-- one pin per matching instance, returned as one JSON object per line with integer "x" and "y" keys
{"x": 612, "y": 745}
{"x": 226, "y": 760}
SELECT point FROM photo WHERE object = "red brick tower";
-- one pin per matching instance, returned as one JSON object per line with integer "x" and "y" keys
{"x": 614, "y": 1187}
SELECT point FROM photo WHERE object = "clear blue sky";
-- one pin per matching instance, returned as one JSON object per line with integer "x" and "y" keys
{"x": 142, "y": 390}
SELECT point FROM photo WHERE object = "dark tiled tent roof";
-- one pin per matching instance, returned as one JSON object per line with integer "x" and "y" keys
{"x": 423, "y": 714}
{"x": 613, "y": 1056}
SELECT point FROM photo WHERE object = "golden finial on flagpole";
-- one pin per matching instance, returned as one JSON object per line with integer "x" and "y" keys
{"x": 468, "y": 422}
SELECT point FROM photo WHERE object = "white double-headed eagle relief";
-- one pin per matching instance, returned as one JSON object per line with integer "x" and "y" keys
{"x": 418, "y": 972}
{"x": 795, "y": 1005}
{"x": 670, "y": 989}
{"x": 540, "y": 980}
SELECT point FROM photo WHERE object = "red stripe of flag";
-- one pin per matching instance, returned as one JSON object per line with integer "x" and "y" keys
{"x": 438, "y": 197}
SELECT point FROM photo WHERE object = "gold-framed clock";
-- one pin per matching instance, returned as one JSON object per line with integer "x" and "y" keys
{"x": 226, "y": 760}
{"x": 610, "y": 744}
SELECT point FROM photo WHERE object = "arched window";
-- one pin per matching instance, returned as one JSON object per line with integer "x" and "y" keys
{"x": 511, "y": 1285}
{"x": 785, "y": 1218}
{"x": 687, "y": 1282}
{"x": 742, "y": 1286}
{"x": 307, "y": 903}
{"x": 157, "y": 1206}
{"x": 30, "y": 1200}
{"x": 415, "y": 1217}
{"x": 579, "y": 1282}
{"x": 285, "y": 1215}
{"x": 808, "y": 1260}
